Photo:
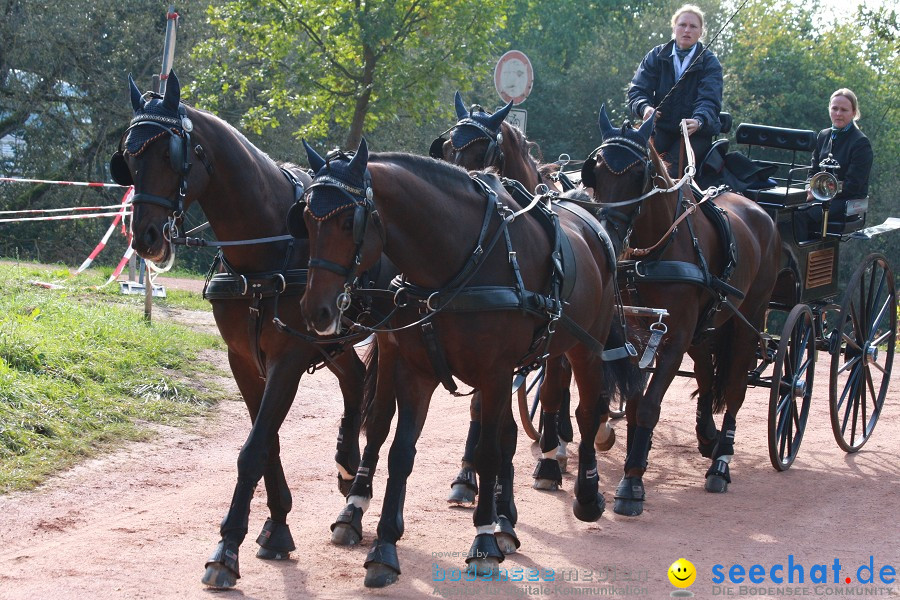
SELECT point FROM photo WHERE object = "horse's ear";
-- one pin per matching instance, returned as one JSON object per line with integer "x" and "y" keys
{"x": 316, "y": 162}
{"x": 361, "y": 158}
{"x": 137, "y": 100}
{"x": 606, "y": 127}
{"x": 173, "y": 92}
{"x": 495, "y": 119}
{"x": 647, "y": 127}
{"x": 461, "y": 111}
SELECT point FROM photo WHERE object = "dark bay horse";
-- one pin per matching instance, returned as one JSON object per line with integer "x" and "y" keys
{"x": 714, "y": 275}
{"x": 487, "y": 310}
{"x": 482, "y": 140}
{"x": 175, "y": 155}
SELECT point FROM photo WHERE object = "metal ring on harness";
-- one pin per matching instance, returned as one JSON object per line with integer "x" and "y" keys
{"x": 428, "y": 301}
{"x": 283, "y": 284}
{"x": 637, "y": 269}
{"x": 659, "y": 326}
{"x": 401, "y": 302}
{"x": 246, "y": 285}
{"x": 343, "y": 301}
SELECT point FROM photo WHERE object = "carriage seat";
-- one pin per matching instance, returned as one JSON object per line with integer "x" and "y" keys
{"x": 854, "y": 220}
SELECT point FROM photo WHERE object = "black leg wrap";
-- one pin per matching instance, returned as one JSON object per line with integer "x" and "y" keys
{"x": 548, "y": 468}
{"x": 472, "y": 441}
{"x": 362, "y": 483}
{"x": 275, "y": 541}
{"x": 347, "y": 454}
{"x": 589, "y": 503}
{"x": 549, "y": 437}
{"x": 485, "y": 546}
{"x": 505, "y": 527}
{"x": 726, "y": 437}
{"x": 629, "y": 497}
{"x": 707, "y": 434}
{"x": 344, "y": 486}
{"x": 383, "y": 553}
{"x": 564, "y": 428}
{"x": 503, "y": 495}
{"x": 640, "y": 448}
{"x": 718, "y": 477}
{"x": 226, "y": 554}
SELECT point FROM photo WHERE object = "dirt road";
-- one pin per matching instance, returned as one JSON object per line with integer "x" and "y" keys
{"x": 140, "y": 522}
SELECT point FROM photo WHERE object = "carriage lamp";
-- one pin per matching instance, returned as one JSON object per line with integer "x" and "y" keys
{"x": 824, "y": 185}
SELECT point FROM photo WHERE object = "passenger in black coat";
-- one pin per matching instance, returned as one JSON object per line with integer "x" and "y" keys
{"x": 849, "y": 147}
{"x": 697, "y": 97}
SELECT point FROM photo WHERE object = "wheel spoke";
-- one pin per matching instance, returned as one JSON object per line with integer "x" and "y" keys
{"x": 849, "y": 393}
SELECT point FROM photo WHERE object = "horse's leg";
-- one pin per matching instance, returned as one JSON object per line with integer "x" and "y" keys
{"x": 547, "y": 474}
{"x": 630, "y": 493}
{"x": 564, "y": 424}
{"x": 347, "y": 529}
{"x": 350, "y": 372}
{"x": 735, "y": 357}
{"x": 707, "y": 434}
{"x": 485, "y": 555}
{"x": 464, "y": 487}
{"x": 507, "y": 515}
{"x": 413, "y": 397}
{"x": 256, "y": 459}
{"x": 593, "y": 404}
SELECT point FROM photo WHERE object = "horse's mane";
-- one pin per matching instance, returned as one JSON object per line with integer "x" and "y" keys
{"x": 242, "y": 139}
{"x": 660, "y": 166}
{"x": 437, "y": 172}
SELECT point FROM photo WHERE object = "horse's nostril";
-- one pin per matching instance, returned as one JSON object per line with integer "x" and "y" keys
{"x": 151, "y": 235}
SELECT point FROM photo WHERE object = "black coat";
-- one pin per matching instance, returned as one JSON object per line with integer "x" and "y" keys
{"x": 698, "y": 95}
{"x": 853, "y": 151}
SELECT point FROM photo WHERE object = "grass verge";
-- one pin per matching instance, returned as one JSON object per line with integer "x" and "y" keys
{"x": 79, "y": 371}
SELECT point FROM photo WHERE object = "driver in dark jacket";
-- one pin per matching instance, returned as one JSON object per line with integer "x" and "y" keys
{"x": 697, "y": 97}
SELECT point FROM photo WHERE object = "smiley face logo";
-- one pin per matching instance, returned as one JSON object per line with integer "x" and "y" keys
{"x": 682, "y": 573}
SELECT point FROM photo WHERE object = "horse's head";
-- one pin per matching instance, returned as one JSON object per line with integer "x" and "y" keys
{"x": 338, "y": 210}
{"x": 154, "y": 155}
{"x": 622, "y": 167}
{"x": 476, "y": 140}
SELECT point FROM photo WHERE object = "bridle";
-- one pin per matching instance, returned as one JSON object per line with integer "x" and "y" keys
{"x": 362, "y": 202}
{"x": 493, "y": 156}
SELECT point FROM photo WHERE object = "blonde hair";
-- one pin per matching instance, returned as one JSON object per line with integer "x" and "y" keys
{"x": 688, "y": 8}
{"x": 849, "y": 95}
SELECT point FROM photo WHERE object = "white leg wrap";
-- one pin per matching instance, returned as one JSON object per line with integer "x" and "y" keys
{"x": 561, "y": 450}
{"x": 726, "y": 458}
{"x": 359, "y": 502}
{"x": 550, "y": 454}
{"x": 485, "y": 529}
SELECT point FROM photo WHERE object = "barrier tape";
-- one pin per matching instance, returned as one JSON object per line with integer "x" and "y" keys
{"x": 121, "y": 265}
{"x": 126, "y": 199}
{"x": 38, "y": 211}
{"x": 61, "y": 218}
{"x": 78, "y": 183}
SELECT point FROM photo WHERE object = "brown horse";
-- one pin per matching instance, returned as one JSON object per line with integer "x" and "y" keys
{"x": 175, "y": 155}
{"x": 714, "y": 275}
{"x": 482, "y": 140}
{"x": 487, "y": 310}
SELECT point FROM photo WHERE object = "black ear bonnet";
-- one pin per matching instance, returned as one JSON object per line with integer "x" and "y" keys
{"x": 475, "y": 124}
{"x": 154, "y": 116}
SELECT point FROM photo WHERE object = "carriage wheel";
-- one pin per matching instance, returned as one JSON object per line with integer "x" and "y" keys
{"x": 862, "y": 352}
{"x": 528, "y": 409}
{"x": 792, "y": 384}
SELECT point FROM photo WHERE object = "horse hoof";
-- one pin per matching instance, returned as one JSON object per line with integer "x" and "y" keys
{"x": 716, "y": 484}
{"x": 506, "y": 542}
{"x": 266, "y": 554}
{"x": 548, "y": 485}
{"x": 628, "y": 507}
{"x": 484, "y": 566}
{"x": 606, "y": 444}
{"x": 589, "y": 511}
{"x": 344, "y": 535}
{"x": 219, "y": 577}
{"x": 461, "y": 495}
{"x": 379, "y": 575}
{"x": 563, "y": 460}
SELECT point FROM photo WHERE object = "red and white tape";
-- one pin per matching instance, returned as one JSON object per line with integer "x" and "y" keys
{"x": 126, "y": 200}
{"x": 78, "y": 183}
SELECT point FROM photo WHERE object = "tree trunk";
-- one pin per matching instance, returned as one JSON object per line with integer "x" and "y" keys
{"x": 362, "y": 100}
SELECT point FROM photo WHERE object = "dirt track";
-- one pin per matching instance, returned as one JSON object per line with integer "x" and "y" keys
{"x": 140, "y": 522}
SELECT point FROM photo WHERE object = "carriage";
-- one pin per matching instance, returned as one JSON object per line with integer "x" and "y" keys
{"x": 810, "y": 310}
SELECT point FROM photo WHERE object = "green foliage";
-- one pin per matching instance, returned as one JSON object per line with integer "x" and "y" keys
{"x": 345, "y": 66}
{"x": 75, "y": 373}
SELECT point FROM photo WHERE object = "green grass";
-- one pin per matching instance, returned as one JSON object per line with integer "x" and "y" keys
{"x": 80, "y": 368}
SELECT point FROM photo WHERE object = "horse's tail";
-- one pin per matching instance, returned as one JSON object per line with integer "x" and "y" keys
{"x": 622, "y": 377}
{"x": 722, "y": 357}
{"x": 369, "y": 381}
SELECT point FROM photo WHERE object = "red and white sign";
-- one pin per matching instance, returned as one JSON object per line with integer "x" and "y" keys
{"x": 513, "y": 77}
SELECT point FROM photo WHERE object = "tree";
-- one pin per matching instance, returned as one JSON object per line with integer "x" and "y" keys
{"x": 342, "y": 65}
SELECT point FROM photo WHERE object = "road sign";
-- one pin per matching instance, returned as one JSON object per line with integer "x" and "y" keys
{"x": 513, "y": 77}
{"x": 517, "y": 117}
